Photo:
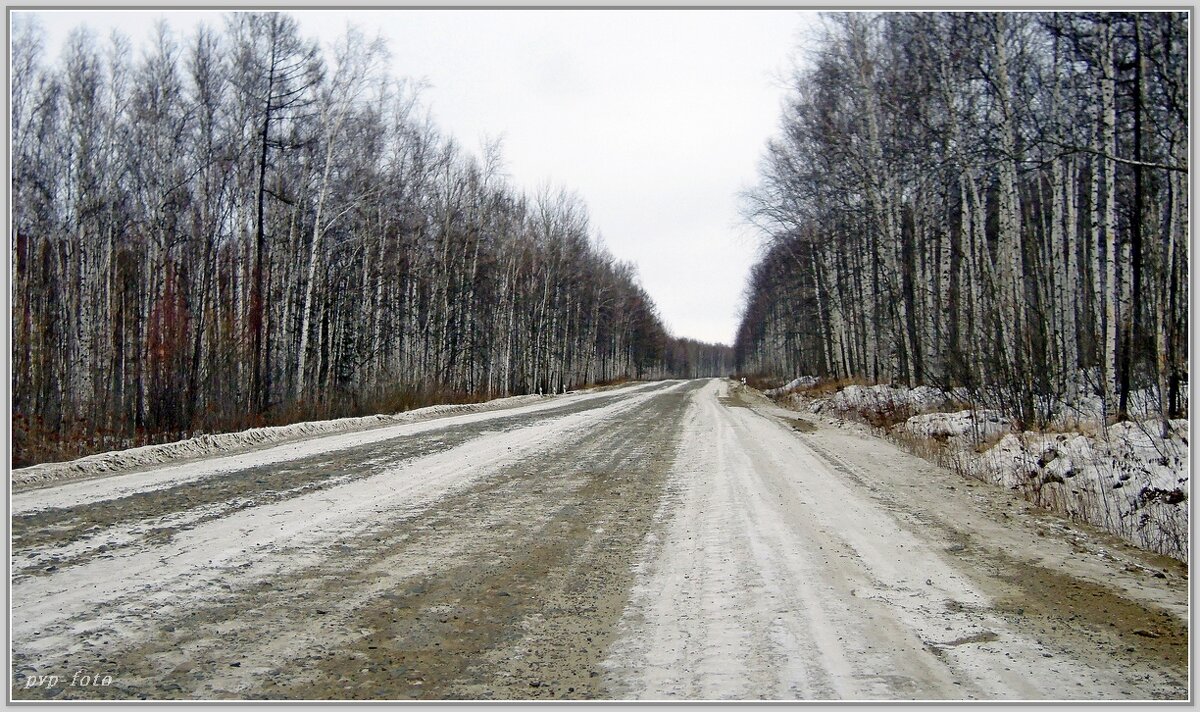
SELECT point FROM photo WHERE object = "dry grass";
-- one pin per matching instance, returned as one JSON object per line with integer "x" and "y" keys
{"x": 764, "y": 383}
{"x": 827, "y": 387}
{"x": 1073, "y": 426}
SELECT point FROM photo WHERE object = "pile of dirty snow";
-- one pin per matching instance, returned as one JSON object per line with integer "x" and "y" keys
{"x": 874, "y": 403}
{"x": 973, "y": 425}
{"x": 795, "y": 384}
{"x": 1128, "y": 478}
{"x": 1129, "y": 455}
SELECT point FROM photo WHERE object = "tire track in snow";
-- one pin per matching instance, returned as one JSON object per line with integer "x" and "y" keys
{"x": 773, "y": 576}
{"x": 53, "y": 538}
{"x": 117, "y": 486}
{"x": 58, "y": 614}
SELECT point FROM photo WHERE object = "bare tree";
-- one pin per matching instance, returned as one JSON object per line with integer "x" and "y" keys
{"x": 237, "y": 229}
{"x": 966, "y": 199}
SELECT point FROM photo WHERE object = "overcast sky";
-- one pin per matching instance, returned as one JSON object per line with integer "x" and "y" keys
{"x": 656, "y": 118}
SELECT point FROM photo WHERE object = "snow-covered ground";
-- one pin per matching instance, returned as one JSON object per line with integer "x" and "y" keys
{"x": 801, "y": 382}
{"x": 883, "y": 399}
{"x": 257, "y": 438}
{"x": 975, "y": 425}
{"x": 51, "y": 612}
{"x": 1127, "y": 477}
{"x": 663, "y": 540}
{"x": 776, "y": 572}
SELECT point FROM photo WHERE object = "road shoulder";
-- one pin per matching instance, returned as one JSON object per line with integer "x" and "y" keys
{"x": 1070, "y": 585}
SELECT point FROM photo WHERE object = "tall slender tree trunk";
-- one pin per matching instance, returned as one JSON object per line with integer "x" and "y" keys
{"x": 1105, "y": 221}
{"x": 1133, "y": 332}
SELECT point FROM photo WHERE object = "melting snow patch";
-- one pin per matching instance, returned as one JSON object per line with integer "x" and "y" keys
{"x": 873, "y": 403}
{"x": 1127, "y": 477}
{"x": 801, "y": 382}
{"x": 979, "y": 425}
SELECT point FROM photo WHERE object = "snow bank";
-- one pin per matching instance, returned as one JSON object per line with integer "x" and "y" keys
{"x": 1130, "y": 456}
{"x": 228, "y": 443}
{"x": 1126, "y": 478}
{"x": 978, "y": 425}
{"x": 878, "y": 402}
{"x": 801, "y": 382}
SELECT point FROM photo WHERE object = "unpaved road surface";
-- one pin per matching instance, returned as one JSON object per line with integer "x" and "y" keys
{"x": 679, "y": 540}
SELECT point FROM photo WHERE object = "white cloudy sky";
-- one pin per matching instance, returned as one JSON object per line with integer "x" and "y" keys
{"x": 657, "y": 118}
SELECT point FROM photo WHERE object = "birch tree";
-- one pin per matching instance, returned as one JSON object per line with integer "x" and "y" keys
{"x": 979, "y": 191}
{"x": 233, "y": 228}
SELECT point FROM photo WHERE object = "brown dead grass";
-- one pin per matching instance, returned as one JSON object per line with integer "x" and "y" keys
{"x": 764, "y": 383}
{"x": 827, "y": 387}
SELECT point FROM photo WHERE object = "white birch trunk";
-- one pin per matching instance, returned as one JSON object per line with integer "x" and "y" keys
{"x": 1112, "y": 287}
{"x": 1009, "y": 258}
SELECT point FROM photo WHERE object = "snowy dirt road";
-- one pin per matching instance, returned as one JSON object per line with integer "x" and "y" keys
{"x": 679, "y": 540}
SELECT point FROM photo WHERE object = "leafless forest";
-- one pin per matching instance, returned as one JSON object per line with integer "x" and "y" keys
{"x": 234, "y": 227}
{"x": 990, "y": 200}
{"x": 946, "y": 457}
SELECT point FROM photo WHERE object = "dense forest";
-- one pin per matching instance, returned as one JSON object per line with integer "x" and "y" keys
{"x": 239, "y": 227}
{"x": 990, "y": 200}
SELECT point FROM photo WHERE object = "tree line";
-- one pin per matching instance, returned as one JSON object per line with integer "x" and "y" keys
{"x": 992, "y": 200}
{"x": 239, "y": 227}
{"x": 690, "y": 358}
